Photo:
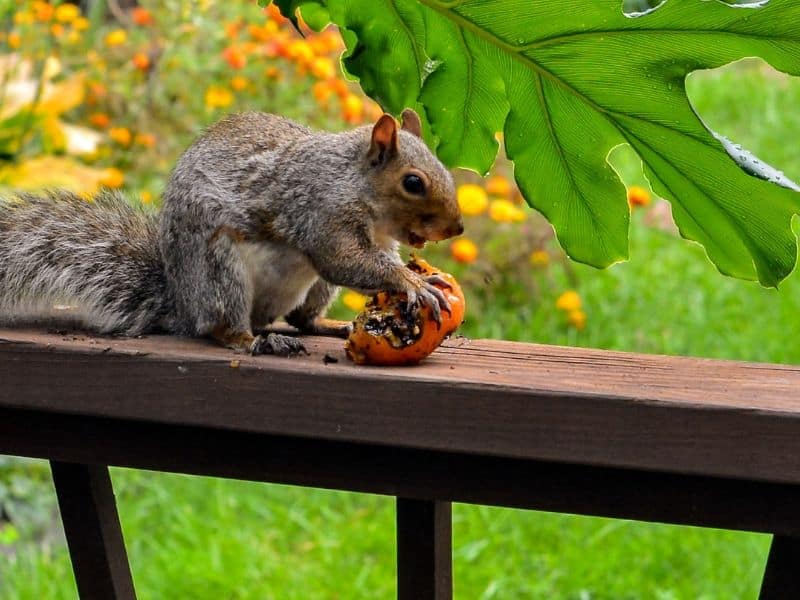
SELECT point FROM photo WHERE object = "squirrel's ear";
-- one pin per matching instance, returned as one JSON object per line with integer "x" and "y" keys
{"x": 384, "y": 140}
{"x": 411, "y": 122}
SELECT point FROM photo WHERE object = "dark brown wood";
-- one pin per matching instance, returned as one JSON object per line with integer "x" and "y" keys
{"x": 419, "y": 474}
{"x": 424, "y": 550}
{"x": 608, "y": 409}
{"x": 782, "y": 574}
{"x": 94, "y": 537}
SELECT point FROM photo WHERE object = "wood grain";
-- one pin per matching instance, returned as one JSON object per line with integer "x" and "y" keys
{"x": 585, "y": 407}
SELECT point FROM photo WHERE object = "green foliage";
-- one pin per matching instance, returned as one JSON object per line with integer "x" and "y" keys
{"x": 566, "y": 90}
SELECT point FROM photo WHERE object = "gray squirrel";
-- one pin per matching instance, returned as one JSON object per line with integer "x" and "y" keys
{"x": 262, "y": 218}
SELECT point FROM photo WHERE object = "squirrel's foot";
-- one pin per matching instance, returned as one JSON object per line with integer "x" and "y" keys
{"x": 277, "y": 344}
{"x": 431, "y": 295}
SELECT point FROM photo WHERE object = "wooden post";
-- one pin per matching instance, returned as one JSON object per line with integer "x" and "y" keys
{"x": 424, "y": 550}
{"x": 782, "y": 575}
{"x": 96, "y": 547}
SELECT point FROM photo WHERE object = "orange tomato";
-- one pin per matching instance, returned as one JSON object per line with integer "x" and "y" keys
{"x": 389, "y": 332}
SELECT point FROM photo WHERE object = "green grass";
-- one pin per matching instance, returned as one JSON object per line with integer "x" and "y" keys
{"x": 208, "y": 539}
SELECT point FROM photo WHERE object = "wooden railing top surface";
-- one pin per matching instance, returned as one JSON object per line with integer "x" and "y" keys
{"x": 526, "y": 401}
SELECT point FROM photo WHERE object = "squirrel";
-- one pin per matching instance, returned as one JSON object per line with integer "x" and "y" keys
{"x": 261, "y": 218}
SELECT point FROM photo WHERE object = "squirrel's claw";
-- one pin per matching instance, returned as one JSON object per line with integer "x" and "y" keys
{"x": 435, "y": 298}
{"x": 277, "y": 344}
{"x": 438, "y": 280}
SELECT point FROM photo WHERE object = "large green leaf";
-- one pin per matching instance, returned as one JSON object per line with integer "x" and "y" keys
{"x": 568, "y": 81}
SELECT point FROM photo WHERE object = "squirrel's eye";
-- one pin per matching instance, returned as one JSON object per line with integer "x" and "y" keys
{"x": 413, "y": 184}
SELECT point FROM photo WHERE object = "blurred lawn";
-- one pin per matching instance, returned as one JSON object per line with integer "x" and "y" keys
{"x": 209, "y": 539}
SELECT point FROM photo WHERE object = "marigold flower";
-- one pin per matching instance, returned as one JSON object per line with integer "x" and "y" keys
{"x": 67, "y": 13}
{"x": 56, "y": 30}
{"x": 464, "y": 251}
{"x": 141, "y": 16}
{"x": 321, "y": 92}
{"x": 121, "y": 135}
{"x": 116, "y": 38}
{"x": 146, "y": 196}
{"x": 218, "y": 97}
{"x": 322, "y": 68}
{"x": 472, "y": 199}
{"x": 352, "y": 109}
{"x": 273, "y": 73}
{"x": 505, "y": 211}
{"x": 232, "y": 30}
{"x": 101, "y": 120}
{"x": 42, "y": 11}
{"x": 259, "y": 33}
{"x": 23, "y": 18}
{"x": 81, "y": 24}
{"x": 235, "y": 57}
{"x": 300, "y": 51}
{"x": 497, "y": 185}
{"x": 577, "y": 319}
{"x": 239, "y": 83}
{"x": 14, "y": 40}
{"x": 569, "y": 301}
{"x": 73, "y": 37}
{"x": 141, "y": 61}
{"x": 112, "y": 178}
{"x": 354, "y": 300}
{"x": 638, "y": 196}
{"x": 147, "y": 140}
{"x": 540, "y": 258}
{"x": 339, "y": 87}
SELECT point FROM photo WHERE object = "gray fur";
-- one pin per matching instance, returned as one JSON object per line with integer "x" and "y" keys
{"x": 262, "y": 218}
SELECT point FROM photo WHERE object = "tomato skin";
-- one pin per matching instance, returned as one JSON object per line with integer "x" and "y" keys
{"x": 388, "y": 333}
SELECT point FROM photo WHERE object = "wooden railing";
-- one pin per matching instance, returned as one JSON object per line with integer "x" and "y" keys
{"x": 654, "y": 438}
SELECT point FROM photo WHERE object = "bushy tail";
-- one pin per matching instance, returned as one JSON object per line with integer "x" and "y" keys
{"x": 99, "y": 257}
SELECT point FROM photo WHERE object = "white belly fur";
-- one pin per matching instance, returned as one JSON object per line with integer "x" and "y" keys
{"x": 280, "y": 278}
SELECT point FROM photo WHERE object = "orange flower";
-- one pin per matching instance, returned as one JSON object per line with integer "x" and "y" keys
{"x": 146, "y": 196}
{"x": 352, "y": 109}
{"x": 81, "y": 24}
{"x": 234, "y": 57}
{"x": 505, "y": 211}
{"x": 339, "y": 86}
{"x": 116, "y": 38}
{"x": 100, "y": 120}
{"x": 141, "y": 61}
{"x": 261, "y": 34}
{"x": 121, "y": 135}
{"x": 464, "y": 251}
{"x": 218, "y": 97}
{"x": 300, "y": 51}
{"x": 148, "y": 140}
{"x": 141, "y": 16}
{"x": 56, "y": 30}
{"x": 577, "y": 319}
{"x": 239, "y": 83}
{"x": 112, "y": 178}
{"x": 569, "y": 301}
{"x": 272, "y": 73}
{"x": 14, "y": 40}
{"x": 321, "y": 92}
{"x": 42, "y": 11}
{"x": 497, "y": 185}
{"x": 638, "y": 196}
{"x": 232, "y": 30}
{"x": 540, "y": 259}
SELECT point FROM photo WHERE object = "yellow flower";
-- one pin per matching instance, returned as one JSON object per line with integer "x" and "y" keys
{"x": 80, "y": 24}
{"x": 577, "y": 318}
{"x": 569, "y": 301}
{"x": 57, "y": 30}
{"x": 497, "y": 185}
{"x": 505, "y": 211}
{"x": 23, "y": 18}
{"x": 300, "y": 51}
{"x": 472, "y": 199}
{"x": 218, "y": 97}
{"x": 14, "y": 40}
{"x": 322, "y": 68}
{"x": 321, "y": 92}
{"x": 43, "y": 11}
{"x": 67, "y": 13}
{"x": 116, "y": 38}
{"x": 464, "y": 251}
{"x": 112, "y": 178}
{"x": 121, "y": 135}
{"x": 354, "y": 300}
{"x": 638, "y": 196}
{"x": 540, "y": 258}
{"x": 352, "y": 109}
{"x": 239, "y": 83}
{"x": 147, "y": 197}
{"x": 148, "y": 140}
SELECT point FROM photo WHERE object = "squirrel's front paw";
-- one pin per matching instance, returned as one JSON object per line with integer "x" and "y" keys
{"x": 425, "y": 291}
{"x": 277, "y": 344}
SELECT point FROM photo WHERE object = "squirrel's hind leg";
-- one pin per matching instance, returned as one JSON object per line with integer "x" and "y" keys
{"x": 271, "y": 343}
{"x": 308, "y": 317}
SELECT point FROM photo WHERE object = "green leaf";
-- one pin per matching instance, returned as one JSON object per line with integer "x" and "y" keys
{"x": 567, "y": 82}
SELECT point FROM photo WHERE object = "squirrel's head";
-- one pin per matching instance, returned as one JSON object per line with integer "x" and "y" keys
{"x": 416, "y": 191}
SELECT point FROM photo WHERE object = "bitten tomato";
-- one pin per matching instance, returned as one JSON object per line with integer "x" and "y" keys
{"x": 390, "y": 332}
